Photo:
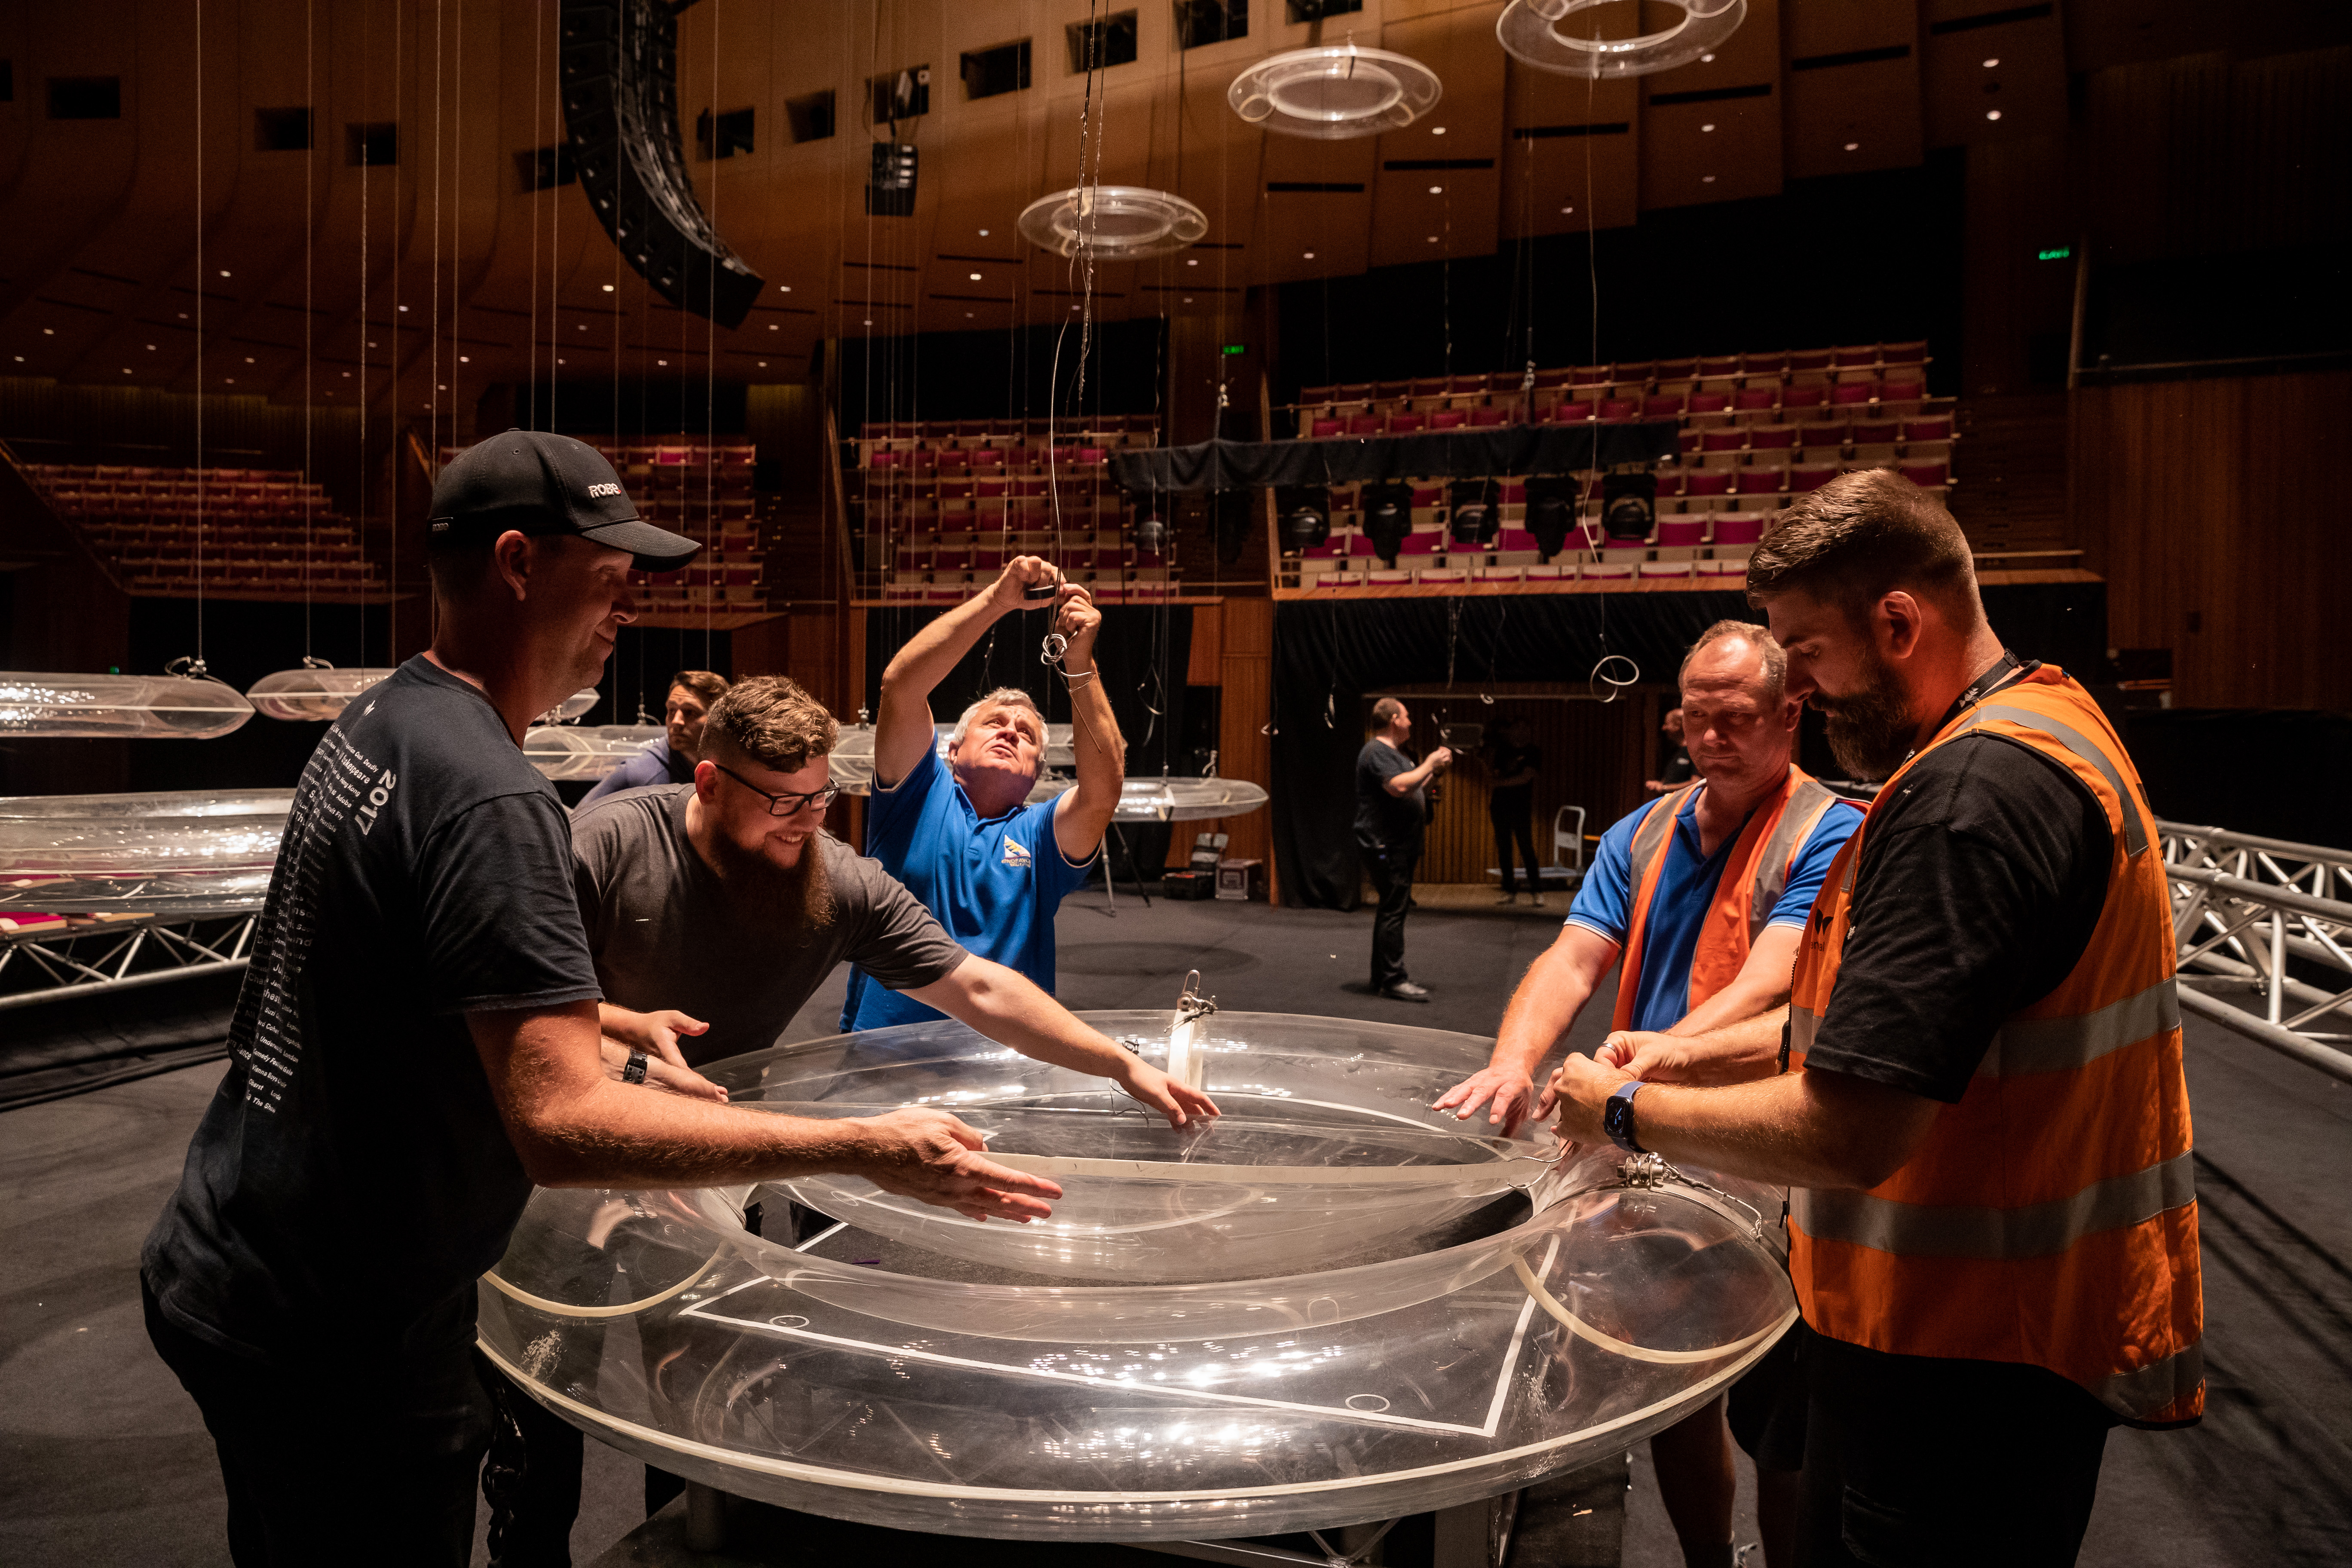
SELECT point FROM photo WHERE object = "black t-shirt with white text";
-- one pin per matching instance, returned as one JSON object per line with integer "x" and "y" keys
{"x": 351, "y": 1173}
{"x": 1394, "y": 821}
{"x": 1979, "y": 886}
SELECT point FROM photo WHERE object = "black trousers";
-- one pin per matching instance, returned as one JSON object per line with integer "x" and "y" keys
{"x": 1507, "y": 830}
{"x": 1390, "y": 865}
{"x": 321, "y": 1468}
{"x": 1917, "y": 1462}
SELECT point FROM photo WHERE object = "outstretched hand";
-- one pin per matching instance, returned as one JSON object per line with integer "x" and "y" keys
{"x": 1509, "y": 1093}
{"x": 933, "y": 1158}
{"x": 1175, "y": 1101}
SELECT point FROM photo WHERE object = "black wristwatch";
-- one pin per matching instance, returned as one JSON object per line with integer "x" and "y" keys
{"x": 634, "y": 1072}
{"x": 1617, "y": 1116}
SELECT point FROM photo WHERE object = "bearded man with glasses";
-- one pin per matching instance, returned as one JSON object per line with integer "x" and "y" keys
{"x": 714, "y": 910}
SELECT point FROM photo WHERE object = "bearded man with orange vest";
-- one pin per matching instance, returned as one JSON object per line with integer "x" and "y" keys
{"x": 1705, "y": 893}
{"x": 1976, "y": 1094}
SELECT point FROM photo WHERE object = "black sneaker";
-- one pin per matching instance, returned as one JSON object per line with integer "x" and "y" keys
{"x": 1405, "y": 991}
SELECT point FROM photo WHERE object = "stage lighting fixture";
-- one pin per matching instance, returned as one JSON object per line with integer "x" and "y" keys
{"x": 1629, "y": 506}
{"x": 890, "y": 180}
{"x": 1476, "y": 512}
{"x": 1551, "y": 511}
{"x": 1304, "y": 514}
{"x": 1387, "y": 517}
{"x": 1230, "y": 514}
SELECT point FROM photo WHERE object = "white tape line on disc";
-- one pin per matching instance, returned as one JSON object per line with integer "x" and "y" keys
{"x": 1585, "y": 1331}
{"x": 1269, "y": 1175}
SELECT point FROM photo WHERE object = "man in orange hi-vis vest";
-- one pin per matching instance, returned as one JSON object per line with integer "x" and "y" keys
{"x": 1703, "y": 894}
{"x": 1981, "y": 1111}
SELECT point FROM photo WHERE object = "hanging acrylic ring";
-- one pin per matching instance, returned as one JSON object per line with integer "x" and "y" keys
{"x": 1529, "y": 31}
{"x": 1112, "y": 223}
{"x": 1334, "y": 92}
{"x": 1599, "y": 677}
{"x": 312, "y": 692}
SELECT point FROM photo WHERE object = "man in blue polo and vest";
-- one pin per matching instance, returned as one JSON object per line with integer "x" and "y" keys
{"x": 1703, "y": 893}
{"x": 1976, "y": 1093}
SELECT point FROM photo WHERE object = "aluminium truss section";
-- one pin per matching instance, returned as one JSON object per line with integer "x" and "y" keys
{"x": 91, "y": 957}
{"x": 2269, "y": 924}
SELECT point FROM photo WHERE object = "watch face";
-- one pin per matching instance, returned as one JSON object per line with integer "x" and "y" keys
{"x": 1617, "y": 1119}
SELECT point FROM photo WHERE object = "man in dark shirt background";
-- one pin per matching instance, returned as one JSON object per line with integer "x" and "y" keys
{"x": 1512, "y": 765}
{"x": 1677, "y": 769}
{"x": 1391, "y": 808}
{"x": 417, "y": 1043}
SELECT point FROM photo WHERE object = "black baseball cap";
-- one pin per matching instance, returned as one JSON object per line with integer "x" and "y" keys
{"x": 539, "y": 483}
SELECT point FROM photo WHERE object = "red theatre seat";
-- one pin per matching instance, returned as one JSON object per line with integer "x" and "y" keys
{"x": 1928, "y": 476}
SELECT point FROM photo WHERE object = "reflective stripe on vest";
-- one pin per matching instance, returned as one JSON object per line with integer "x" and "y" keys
{"x": 2049, "y": 1215}
{"x": 2036, "y": 1230}
{"x": 1753, "y": 879}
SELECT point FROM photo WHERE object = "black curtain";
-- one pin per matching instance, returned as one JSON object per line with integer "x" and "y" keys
{"x": 1143, "y": 650}
{"x": 1327, "y": 655}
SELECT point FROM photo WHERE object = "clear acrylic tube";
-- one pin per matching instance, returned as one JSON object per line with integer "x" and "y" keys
{"x": 117, "y": 707}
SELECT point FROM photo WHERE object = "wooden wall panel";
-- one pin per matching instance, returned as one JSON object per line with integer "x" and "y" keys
{"x": 1241, "y": 632}
{"x": 2216, "y": 511}
{"x": 1595, "y": 755}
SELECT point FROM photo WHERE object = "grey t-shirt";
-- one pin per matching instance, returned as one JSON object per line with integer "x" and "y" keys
{"x": 667, "y": 932}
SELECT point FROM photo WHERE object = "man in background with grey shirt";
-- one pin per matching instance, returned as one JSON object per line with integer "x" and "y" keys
{"x": 728, "y": 897}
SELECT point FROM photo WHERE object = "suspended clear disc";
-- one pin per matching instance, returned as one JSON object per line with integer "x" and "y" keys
{"x": 312, "y": 692}
{"x": 1335, "y": 93}
{"x": 1112, "y": 223}
{"x": 566, "y": 752}
{"x": 1530, "y": 30}
{"x": 119, "y": 707}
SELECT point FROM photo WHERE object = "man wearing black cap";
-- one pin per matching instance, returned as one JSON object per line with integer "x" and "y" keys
{"x": 417, "y": 1043}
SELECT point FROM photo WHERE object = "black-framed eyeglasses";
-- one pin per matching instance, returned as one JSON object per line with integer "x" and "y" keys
{"x": 791, "y": 802}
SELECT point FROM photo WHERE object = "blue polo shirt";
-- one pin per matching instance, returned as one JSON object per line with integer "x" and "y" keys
{"x": 1687, "y": 887}
{"x": 994, "y": 885}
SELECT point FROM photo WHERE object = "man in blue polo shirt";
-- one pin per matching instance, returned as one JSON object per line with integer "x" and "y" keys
{"x": 1703, "y": 894}
{"x": 956, "y": 829}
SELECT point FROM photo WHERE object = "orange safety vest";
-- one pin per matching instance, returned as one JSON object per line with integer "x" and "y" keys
{"x": 2050, "y": 1217}
{"x": 1753, "y": 880}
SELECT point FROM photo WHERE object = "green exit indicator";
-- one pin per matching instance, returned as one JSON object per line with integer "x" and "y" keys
{"x": 1237, "y": 348}
{"x": 2061, "y": 254}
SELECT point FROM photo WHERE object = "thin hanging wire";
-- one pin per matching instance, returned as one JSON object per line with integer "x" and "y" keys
{"x": 433, "y": 325}
{"x": 710, "y": 366}
{"x": 309, "y": 242}
{"x": 364, "y": 390}
{"x": 538, "y": 129}
{"x": 203, "y": 485}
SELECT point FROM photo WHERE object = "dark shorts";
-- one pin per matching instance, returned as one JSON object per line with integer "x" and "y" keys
{"x": 1767, "y": 1408}
{"x": 1926, "y": 1462}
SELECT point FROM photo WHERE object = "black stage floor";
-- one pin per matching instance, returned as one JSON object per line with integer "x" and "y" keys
{"x": 103, "y": 1459}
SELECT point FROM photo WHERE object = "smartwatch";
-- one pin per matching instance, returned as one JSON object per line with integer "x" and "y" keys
{"x": 1617, "y": 1116}
{"x": 634, "y": 1072}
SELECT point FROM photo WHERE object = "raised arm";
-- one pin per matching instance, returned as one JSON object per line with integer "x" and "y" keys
{"x": 573, "y": 1126}
{"x": 1545, "y": 1006}
{"x": 1412, "y": 778}
{"x": 1081, "y": 816}
{"x": 1010, "y": 1009}
{"x": 902, "y": 731}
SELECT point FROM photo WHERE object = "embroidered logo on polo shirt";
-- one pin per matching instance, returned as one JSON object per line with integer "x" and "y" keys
{"x": 1017, "y": 855}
